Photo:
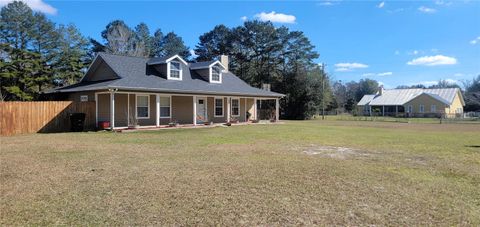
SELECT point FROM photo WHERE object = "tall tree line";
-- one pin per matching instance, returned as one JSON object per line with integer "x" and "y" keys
{"x": 262, "y": 53}
{"x": 37, "y": 54}
{"x": 347, "y": 95}
{"x": 120, "y": 39}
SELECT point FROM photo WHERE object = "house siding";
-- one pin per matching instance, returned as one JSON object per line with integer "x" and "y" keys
{"x": 75, "y": 97}
{"x": 242, "y": 110}
{"x": 121, "y": 117}
{"x": 427, "y": 101}
{"x": 456, "y": 104}
{"x": 103, "y": 107}
{"x": 182, "y": 109}
{"x": 102, "y": 72}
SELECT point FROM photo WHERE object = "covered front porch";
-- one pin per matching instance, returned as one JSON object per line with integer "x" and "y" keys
{"x": 124, "y": 109}
{"x": 391, "y": 111}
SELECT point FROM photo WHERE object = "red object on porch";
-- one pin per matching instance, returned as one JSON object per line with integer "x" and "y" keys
{"x": 104, "y": 124}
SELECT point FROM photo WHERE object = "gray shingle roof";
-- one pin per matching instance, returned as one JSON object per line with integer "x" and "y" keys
{"x": 200, "y": 65}
{"x": 401, "y": 96}
{"x": 136, "y": 75}
{"x": 159, "y": 60}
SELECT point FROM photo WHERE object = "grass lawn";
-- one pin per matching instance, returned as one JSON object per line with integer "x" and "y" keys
{"x": 301, "y": 172}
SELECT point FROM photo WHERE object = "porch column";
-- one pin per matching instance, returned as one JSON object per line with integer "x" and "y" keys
{"x": 194, "y": 110}
{"x": 277, "y": 109}
{"x": 112, "y": 110}
{"x": 255, "y": 108}
{"x": 383, "y": 110}
{"x": 157, "y": 119}
{"x": 228, "y": 109}
{"x": 370, "y": 111}
{"x": 396, "y": 111}
{"x": 96, "y": 110}
{"x": 245, "y": 108}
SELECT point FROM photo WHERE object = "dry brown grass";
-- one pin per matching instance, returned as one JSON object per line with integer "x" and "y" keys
{"x": 245, "y": 175}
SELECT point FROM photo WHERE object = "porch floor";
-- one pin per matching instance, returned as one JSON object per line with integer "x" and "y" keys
{"x": 151, "y": 128}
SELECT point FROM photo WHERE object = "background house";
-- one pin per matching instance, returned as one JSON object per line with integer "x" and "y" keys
{"x": 416, "y": 102}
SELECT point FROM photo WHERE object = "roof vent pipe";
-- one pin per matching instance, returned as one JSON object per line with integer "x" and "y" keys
{"x": 380, "y": 90}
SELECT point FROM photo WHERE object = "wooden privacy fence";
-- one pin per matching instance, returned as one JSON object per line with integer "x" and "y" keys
{"x": 45, "y": 117}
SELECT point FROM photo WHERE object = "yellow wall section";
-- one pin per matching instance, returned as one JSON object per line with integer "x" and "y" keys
{"x": 427, "y": 101}
{"x": 457, "y": 103}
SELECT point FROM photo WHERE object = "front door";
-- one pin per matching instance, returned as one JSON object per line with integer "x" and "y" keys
{"x": 202, "y": 110}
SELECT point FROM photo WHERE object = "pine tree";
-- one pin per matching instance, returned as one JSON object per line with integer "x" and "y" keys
{"x": 173, "y": 44}
{"x": 73, "y": 56}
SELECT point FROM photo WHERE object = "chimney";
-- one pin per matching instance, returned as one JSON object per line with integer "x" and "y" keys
{"x": 224, "y": 61}
{"x": 266, "y": 87}
{"x": 380, "y": 90}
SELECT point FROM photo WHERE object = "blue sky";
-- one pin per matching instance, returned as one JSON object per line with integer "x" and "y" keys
{"x": 393, "y": 42}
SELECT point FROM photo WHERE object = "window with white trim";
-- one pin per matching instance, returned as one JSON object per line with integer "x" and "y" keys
{"x": 218, "y": 107}
{"x": 143, "y": 106}
{"x": 410, "y": 109}
{"x": 175, "y": 70}
{"x": 165, "y": 106}
{"x": 433, "y": 109}
{"x": 422, "y": 109}
{"x": 216, "y": 73}
{"x": 235, "y": 107}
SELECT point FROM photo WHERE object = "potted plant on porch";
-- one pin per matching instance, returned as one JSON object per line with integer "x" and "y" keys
{"x": 233, "y": 120}
{"x": 173, "y": 123}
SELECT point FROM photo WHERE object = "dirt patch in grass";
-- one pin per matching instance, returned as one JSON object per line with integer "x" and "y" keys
{"x": 334, "y": 152}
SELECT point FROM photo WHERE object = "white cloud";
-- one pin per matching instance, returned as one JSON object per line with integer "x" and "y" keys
{"x": 345, "y": 67}
{"x": 433, "y": 60}
{"x": 36, "y": 5}
{"x": 435, "y": 82}
{"x": 276, "y": 17}
{"x": 244, "y": 18}
{"x": 424, "y": 9}
{"x": 442, "y": 3}
{"x": 328, "y": 2}
{"x": 381, "y": 5}
{"x": 452, "y": 81}
{"x": 475, "y": 41}
{"x": 426, "y": 83}
{"x": 377, "y": 74}
{"x": 385, "y": 74}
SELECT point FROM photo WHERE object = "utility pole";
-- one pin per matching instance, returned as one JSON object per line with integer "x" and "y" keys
{"x": 323, "y": 91}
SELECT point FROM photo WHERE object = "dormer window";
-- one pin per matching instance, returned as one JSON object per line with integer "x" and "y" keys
{"x": 216, "y": 74}
{"x": 175, "y": 70}
{"x": 216, "y": 71}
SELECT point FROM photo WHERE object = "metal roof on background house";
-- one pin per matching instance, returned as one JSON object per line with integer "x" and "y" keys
{"x": 136, "y": 75}
{"x": 401, "y": 96}
{"x": 365, "y": 100}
